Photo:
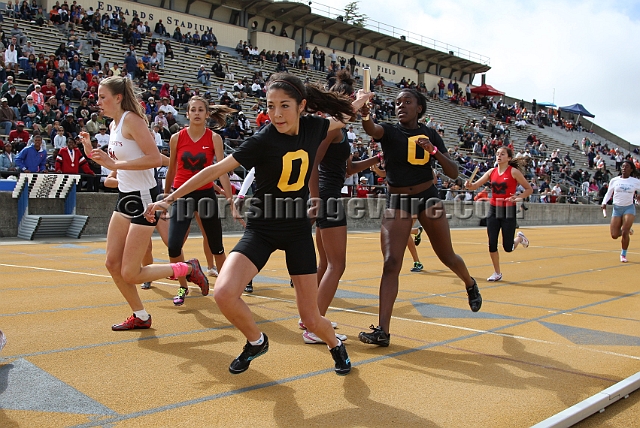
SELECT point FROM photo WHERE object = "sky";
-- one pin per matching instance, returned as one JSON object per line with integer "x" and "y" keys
{"x": 563, "y": 51}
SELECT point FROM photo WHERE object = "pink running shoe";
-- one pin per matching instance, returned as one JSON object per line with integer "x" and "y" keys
{"x": 623, "y": 259}
{"x": 198, "y": 277}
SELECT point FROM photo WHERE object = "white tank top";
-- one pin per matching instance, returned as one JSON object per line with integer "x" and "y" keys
{"x": 124, "y": 149}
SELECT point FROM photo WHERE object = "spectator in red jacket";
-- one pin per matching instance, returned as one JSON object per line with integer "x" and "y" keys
{"x": 19, "y": 137}
{"x": 262, "y": 118}
{"x": 70, "y": 160}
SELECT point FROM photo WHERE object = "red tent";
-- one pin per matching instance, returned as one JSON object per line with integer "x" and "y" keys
{"x": 486, "y": 90}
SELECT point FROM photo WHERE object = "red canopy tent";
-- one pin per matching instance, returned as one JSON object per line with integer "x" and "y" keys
{"x": 486, "y": 90}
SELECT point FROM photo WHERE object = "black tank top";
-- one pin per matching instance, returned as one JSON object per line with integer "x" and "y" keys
{"x": 333, "y": 167}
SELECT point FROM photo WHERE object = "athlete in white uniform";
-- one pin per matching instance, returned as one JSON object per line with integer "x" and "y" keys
{"x": 623, "y": 189}
{"x": 133, "y": 153}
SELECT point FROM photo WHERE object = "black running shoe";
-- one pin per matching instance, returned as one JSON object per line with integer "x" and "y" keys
{"x": 249, "y": 352}
{"x": 249, "y": 287}
{"x": 417, "y": 239}
{"x": 475, "y": 299}
{"x": 291, "y": 282}
{"x": 376, "y": 337}
{"x": 343, "y": 363}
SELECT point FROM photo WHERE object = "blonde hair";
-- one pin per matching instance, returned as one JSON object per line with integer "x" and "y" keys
{"x": 123, "y": 86}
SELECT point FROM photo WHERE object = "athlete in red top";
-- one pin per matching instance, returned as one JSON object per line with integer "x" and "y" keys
{"x": 192, "y": 150}
{"x": 503, "y": 179}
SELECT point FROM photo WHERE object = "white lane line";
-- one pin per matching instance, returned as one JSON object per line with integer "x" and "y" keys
{"x": 291, "y": 301}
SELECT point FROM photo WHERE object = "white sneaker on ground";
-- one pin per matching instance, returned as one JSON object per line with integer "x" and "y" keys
{"x": 623, "y": 259}
{"x": 302, "y": 327}
{"x": 495, "y": 277}
{"x": 525, "y": 241}
{"x": 212, "y": 271}
{"x": 310, "y": 338}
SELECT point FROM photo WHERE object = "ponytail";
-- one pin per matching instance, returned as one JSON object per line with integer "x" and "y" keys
{"x": 123, "y": 86}
{"x": 318, "y": 100}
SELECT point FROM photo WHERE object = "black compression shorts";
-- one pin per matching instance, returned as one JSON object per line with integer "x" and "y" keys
{"x": 258, "y": 243}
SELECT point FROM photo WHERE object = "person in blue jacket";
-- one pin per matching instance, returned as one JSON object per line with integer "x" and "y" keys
{"x": 32, "y": 158}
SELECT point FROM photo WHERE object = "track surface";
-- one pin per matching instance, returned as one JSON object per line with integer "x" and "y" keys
{"x": 563, "y": 325}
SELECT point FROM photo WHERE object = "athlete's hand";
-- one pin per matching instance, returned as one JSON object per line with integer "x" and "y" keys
{"x": 102, "y": 158}
{"x": 468, "y": 185}
{"x": 426, "y": 144}
{"x": 150, "y": 213}
{"x": 236, "y": 211}
{"x": 86, "y": 141}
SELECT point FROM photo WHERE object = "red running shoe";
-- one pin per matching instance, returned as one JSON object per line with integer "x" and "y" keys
{"x": 198, "y": 277}
{"x": 132, "y": 323}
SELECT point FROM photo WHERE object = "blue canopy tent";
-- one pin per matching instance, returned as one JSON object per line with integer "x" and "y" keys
{"x": 547, "y": 104}
{"x": 579, "y": 110}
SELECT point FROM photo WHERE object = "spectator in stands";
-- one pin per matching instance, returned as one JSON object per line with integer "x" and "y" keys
{"x": 177, "y": 35}
{"x": 14, "y": 99}
{"x": 60, "y": 140}
{"x": 161, "y": 50}
{"x": 71, "y": 161}
{"x": 166, "y": 107}
{"x": 239, "y": 89}
{"x": 32, "y": 158}
{"x": 18, "y": 34}
{"x": 70, "y": 125}
{"x": 173, "y": 124}
{"x": 62, "y": 93}
{"x": 19, "y": 137}
{"x": 11, "y": 59}
{"x": 160, "y": 29}
{"x": 28, "y": 111}
{"x": 155, "y": 133}
{"x": 102, "y": 137}
{"x": 93, "y": 38}
{"x": 153, "y": 78}
{"x": 78, "y": 87}
{"x": 7, "y": 158}
{"x": 161, "y": 121}
{"x": 151, "y": 109}
{"x": 45, "y": 119}
{"x": 244, "y": 125}
{"x": 257, "y": 89}
{"x": 7, "y": 117}
{"x": 92, "y": 126}
{"x": 204, "y": 76}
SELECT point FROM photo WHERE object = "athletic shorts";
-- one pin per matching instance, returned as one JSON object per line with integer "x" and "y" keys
{"x": 413, "y": 204}
{"x": 619, "y": 211}
{"x": 258, "y": 242}
{"x": 332, "y": 213}
{"x": 132, "y": 205}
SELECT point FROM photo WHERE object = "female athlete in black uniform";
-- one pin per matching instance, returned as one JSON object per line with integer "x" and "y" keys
{"x": 283, "y": 155}
{"x": 332, "y": 166}
{"x": 409, "y": 150}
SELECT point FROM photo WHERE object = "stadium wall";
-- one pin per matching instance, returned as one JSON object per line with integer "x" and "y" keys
{"x": 99, "y": 207}
{"x": 197, "y": 19}
{"x": 390, "y": 72}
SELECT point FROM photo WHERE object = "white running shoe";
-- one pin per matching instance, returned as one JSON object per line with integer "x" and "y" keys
{"x": 623, "y": 259}
{"x": 212, "y": 271}
{"x": 302, "y": 327}
{"x": 3, "y": 340}
{"x": 310, "y": 338}
{"x": 525, "y": 241}
{"x": 495, "y": 277}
